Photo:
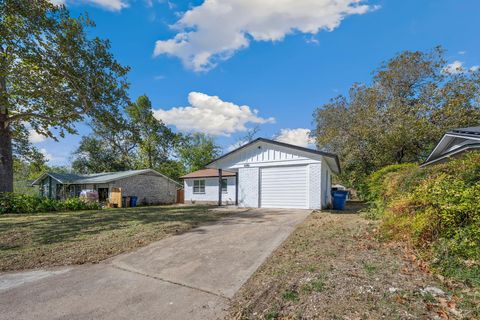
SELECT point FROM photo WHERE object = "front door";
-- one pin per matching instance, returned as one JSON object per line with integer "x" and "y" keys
{"x": 102, "y": 194}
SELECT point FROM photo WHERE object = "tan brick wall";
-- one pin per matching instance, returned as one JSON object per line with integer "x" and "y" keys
{"x": 149, "y": 188}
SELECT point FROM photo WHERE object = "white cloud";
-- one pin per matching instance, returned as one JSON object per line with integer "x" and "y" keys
{"x": 112, "y": 5}
{"x": 216, "y": 29}
{"x": 236, "y": 145}
{"x": 455, "y": 67}
{"x": 48, "y": 156}
{"x": 210, "y": 115}
{"x": 35, "y": 137}
{"x": 474, "y": 68}
{"x": 299, "y": 137}
{"x": 462, "y": 52}
{"x": 57, "y": 2}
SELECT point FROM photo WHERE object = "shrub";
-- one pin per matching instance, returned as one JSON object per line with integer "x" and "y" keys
{"x": 21, "y": 203}
{"x": 436, "y": 209}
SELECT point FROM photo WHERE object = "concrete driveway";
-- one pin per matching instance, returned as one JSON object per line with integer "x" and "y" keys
{"x": 188, "y": 276}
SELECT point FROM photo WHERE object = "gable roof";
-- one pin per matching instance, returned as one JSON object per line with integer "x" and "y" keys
{"x": 453, "y": 143}
{"x": 96, "y": 178}
{"x": 207, "y": 173}
{"x": 467, "y": 131}
{"x": 285, "y": 145}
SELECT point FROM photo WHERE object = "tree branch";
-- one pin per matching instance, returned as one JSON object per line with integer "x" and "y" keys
{"x": 27, "y": 115}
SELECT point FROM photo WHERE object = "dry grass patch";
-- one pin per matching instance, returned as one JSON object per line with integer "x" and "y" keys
{"x": 332, "y": 267}
{"x": 52, "y": 239}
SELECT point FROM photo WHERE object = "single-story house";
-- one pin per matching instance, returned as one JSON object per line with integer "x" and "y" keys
{"x": 150, "y": 186}
{"x": 454, "y": 143}
{"x": 201, "y": 186}
{"x": 272, "y": 174}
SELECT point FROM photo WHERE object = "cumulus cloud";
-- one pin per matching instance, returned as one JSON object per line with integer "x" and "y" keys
{"x": 299, "y": 137}
{"x": 210, "y": 115}
{"x": 237, "y": 145}
{"x": 35, "y": 137}
{"x": 48, "y": 156}
{"x": 57, "y": 2}
{"x": 455, "y": 67}
{"x": 112, "y": 5}
{"x": 216, "y": 29}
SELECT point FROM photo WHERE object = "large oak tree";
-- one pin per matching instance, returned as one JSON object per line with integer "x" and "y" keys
{"x": 52, "y": 75}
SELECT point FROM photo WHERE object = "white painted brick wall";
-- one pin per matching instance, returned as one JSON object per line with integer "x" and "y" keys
{"x": 315, "y": 181}
{"x": 248, "y": 185}
{"x": 211, "y": 191}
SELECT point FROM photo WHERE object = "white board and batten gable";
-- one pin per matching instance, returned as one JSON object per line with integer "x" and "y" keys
{"x": 272, "y": 174}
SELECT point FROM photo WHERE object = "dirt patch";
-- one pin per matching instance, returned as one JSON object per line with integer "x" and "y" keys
{"x": 332, "y": 267}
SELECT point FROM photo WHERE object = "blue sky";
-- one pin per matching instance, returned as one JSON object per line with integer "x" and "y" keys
{"x": 227, "y": 58}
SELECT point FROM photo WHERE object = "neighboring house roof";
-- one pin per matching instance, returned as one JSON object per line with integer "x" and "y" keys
{"x": 96, "y": 178}
{"x": 286, "y": 145}
{"x": 467, "y": 131}
{"x": 207, "y": 173}
{"x": 454, "y": 142}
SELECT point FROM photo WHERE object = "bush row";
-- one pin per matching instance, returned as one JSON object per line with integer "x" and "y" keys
{"x": 436, "y": 209}
{"x": 22, "y": 203}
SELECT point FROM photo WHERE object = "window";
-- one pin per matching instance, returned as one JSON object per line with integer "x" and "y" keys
{"x": 224, "y": 185}
{"x": 198, "y": 186}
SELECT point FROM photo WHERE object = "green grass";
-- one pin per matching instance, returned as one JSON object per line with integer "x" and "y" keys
{"x": 62, "y": 238}
{"x": 369, "y": 268}
{"x": 317, "y": 285}
{"x": 290, "y": 295}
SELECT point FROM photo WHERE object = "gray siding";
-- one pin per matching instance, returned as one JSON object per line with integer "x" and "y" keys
{"x": 149, "y": 188}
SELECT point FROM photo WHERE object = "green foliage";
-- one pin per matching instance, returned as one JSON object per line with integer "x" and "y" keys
{"x": 373, "y": 187}
{"x": 136, "y": 140}
{"x": 52, "y": 75}
{"x": 22, "y": 203}
{"x": 197, "y": 150}
{"x": 399, "y": 117}
{"x": 173, "y": 169}
{"x": 436, "y": 209}
{"x": 154, "y": 139}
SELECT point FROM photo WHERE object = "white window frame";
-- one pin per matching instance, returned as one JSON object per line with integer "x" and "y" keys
{"x": 226, "y": 185}
{"x": 199, "y": 181}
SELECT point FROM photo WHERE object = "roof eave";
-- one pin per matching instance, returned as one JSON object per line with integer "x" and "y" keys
{"x": 37, "y": 181}
{"x": 450, "y": 154}
{"x": 283, "y": 144}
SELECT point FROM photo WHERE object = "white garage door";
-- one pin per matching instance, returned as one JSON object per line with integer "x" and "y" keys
{"x": 284, "y": 187}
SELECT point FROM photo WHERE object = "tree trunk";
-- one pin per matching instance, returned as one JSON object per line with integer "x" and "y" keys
{"x": 6, "y": 157}
{"x": 6, "y": 153}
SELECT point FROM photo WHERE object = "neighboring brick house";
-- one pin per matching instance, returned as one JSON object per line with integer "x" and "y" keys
{"x": 150, "y": 186}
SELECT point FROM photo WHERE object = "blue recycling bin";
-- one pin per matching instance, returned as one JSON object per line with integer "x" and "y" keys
{"x": 339, "y": 199}
{"x": 133, "y": 201}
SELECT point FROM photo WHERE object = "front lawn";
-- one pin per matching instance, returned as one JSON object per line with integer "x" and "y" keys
{"x": 51, "y": 239}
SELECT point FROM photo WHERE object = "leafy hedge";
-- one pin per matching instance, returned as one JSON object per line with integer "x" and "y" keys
{"x": 436, "y": 209}
{"x": 22, "y": 203}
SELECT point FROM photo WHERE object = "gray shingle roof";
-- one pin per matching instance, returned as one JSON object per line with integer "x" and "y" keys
{"x": 94, "y": 178}
{"x": 469, "y": 130}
